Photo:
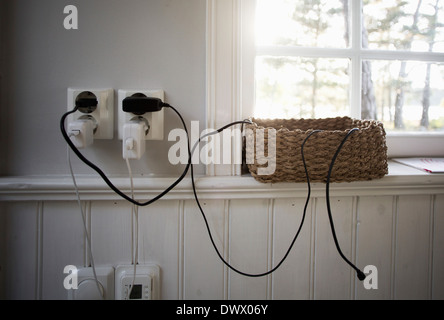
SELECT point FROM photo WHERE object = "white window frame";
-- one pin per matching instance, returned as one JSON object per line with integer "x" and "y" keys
{"x": 231, "y": 53}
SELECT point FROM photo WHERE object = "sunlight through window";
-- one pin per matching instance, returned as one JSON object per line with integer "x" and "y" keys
{"x": 307, "y": 60}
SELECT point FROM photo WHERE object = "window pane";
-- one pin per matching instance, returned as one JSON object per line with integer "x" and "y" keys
{"x": 296, "y": 87}
{"x": 310, "y": 23}
{"x": 408, "y": 95}
{"x": 412, "y": 25}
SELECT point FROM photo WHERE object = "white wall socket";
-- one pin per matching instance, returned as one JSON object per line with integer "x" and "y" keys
{"x": 103, "y": 115}
{"x": 155, "y": 119}
{"x": 87, "y": 285}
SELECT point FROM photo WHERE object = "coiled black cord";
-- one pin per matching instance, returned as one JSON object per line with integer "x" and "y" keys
{"x": 103, "y": 175}
{"x": 361, "y": 276}
{"x": 294, "y": 239}
{"x": 190, "y": 167}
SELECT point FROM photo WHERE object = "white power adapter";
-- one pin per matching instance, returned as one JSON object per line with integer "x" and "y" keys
{"x": 81, "y": 132}
{"x": 134, "y": 143}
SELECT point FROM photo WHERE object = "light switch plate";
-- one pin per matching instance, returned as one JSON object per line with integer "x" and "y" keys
{"x": 146, "y": 284}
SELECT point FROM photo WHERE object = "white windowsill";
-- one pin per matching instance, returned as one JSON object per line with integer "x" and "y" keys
{"x": 401, "y": 180}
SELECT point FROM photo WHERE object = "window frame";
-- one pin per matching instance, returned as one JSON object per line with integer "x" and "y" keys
{"x": 231, "y": 52}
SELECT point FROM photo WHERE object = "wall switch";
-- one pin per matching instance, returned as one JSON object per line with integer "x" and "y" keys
{"x": 146, "y": 284}
{"x": 102, "y": 115}
{"x": 155, "y": 120}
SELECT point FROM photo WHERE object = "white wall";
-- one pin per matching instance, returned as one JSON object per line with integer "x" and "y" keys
{"x": 156, "y": 44}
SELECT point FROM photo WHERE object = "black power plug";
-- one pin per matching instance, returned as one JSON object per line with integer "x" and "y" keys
{"x": 139, "y": 104}
{"x": 86, "y": 102}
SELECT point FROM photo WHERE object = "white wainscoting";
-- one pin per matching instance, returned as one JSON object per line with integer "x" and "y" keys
{"x": 395, "y": 224}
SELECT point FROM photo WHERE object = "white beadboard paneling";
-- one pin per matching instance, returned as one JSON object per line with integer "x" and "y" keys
{"x": 292, "y": 280}
{"x": 438, "y": 249}
{"x": 333, "y": 274}
{"x": 413, "y": 255}
{"x": 204, "y": 272}
{"x": 394, "y": 224}
{"x": 19, "y": 267}
{"x": 249, "y": 228}
{"x": 63, "y": 243}
{"x": 111, "y": 233}
{"x": 160, "y": 242}
{"x": 375, "y": 247}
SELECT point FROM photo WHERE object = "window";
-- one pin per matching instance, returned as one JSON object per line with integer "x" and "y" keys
{"x": 306, "y": 55}
{"x": 367, "y": 59}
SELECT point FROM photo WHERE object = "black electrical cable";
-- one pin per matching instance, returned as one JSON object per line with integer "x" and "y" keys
{"x": 360, "y": 274}
{"x": 102, "y": 174}
{"x": 110, "y": 184}
{"x": 189, "y": 166}
{"x": 294, "y": 239}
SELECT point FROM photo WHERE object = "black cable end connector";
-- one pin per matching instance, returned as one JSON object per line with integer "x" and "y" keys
{"x": 86, "y": 105}
{"x": 86, "y": 102}
{"x": 140, "y": 105}
{"x": 361, "y": 275}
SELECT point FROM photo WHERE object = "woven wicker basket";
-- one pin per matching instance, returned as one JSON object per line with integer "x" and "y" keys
{"x": 362, "y": 158}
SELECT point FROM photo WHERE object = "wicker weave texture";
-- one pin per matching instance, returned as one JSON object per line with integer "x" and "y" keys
{"x": 362, "y": 158}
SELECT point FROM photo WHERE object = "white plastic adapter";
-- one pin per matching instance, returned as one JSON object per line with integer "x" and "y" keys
{"x": 81, "y": 132}
{"x": 134, "y": 133}
{"x": 155, "y": 119}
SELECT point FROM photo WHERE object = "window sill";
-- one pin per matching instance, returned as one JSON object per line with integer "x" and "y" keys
{"x": 415, "y": 144}
{"x": 401, "y": 180}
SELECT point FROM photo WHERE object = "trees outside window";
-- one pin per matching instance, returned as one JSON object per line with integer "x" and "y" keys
{"x": 309, "y": 71}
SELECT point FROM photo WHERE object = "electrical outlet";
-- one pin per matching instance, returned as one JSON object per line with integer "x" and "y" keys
{"x": 155, "y": 120}
{"x": 103, "y": 115}
{"x": 87, "y": 285}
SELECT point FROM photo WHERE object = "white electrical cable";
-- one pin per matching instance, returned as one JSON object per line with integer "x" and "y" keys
{"x": 88, "y": 238}
{"x": 135, "y": 228}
